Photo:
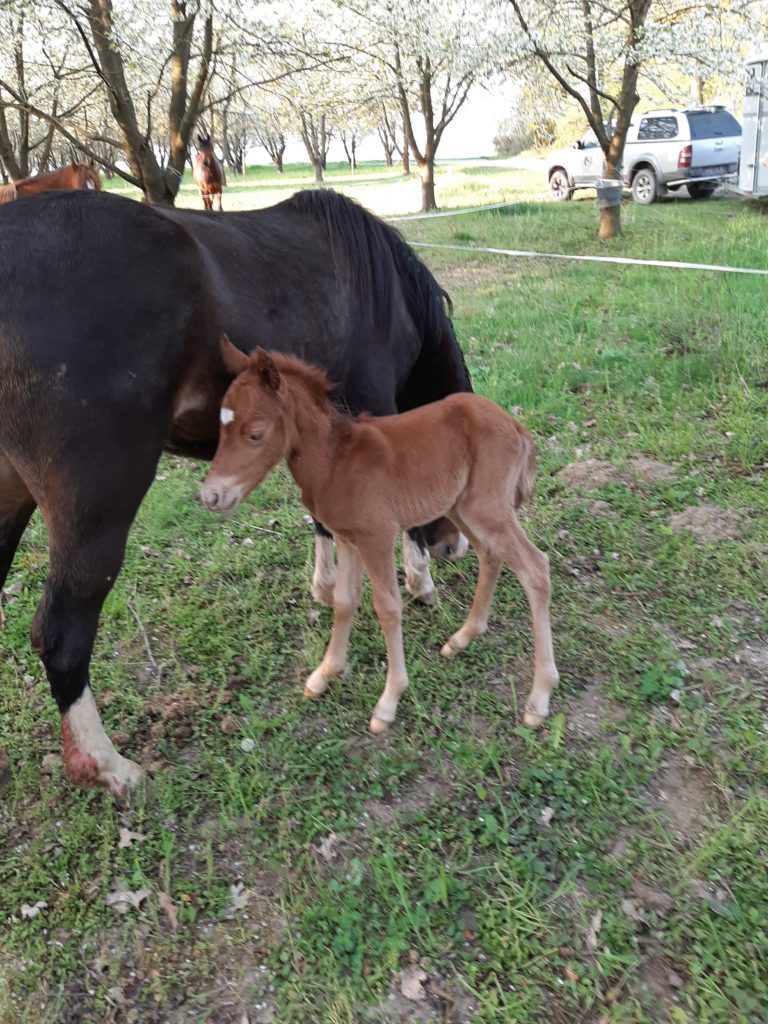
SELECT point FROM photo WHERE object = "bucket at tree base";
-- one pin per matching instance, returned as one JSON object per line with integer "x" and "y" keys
{"x": 608, "y": 192}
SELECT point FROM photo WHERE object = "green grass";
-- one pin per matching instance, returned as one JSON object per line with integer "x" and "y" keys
{"x": 654, "y": 762}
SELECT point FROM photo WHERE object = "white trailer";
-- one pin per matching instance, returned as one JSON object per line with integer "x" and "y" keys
{"x": 753, "y": 167}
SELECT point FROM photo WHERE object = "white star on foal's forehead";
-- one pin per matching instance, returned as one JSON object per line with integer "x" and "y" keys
{"x": 227, "y": 416}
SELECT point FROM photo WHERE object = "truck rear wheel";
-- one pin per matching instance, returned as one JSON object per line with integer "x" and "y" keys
{"x": 644, "y": 189}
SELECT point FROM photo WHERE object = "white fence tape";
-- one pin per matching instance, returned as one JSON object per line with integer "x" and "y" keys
{"x": 621, "y": 260}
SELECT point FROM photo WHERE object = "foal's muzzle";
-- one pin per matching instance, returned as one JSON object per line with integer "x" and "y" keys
{"x": 220, "y": 496}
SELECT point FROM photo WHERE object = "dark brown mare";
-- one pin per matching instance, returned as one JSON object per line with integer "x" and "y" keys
{"x": 368, "y": 479}
{"x": 111, "y": 313}
{"x": 70, "y": 176}
{"x": 207, "y": 172}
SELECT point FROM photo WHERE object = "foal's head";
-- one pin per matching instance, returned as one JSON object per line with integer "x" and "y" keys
{"x": 254, "y": 433}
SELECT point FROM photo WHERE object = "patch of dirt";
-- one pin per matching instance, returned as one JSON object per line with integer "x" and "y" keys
{"x": 755, "y": 658}
{"x": 708, "y": 523}
{"x": 470, "y": 275}
{"x": 434, "y": 786}
{"x": 443, "y": 1001}
{"x": 651, "y": 471}
{"x": 585, "y": 715}
{"x": 660, "y": 986}
{"x": 682, "y": 799}
{"x": 591, "y": 473}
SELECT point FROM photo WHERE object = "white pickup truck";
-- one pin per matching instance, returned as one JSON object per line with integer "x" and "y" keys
{"x": 665, "y": 149}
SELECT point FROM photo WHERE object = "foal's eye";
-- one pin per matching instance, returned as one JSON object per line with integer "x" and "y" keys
{"x": 257, "y": 436}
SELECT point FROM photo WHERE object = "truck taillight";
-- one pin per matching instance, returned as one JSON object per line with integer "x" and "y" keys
{"x": 686, "y": 154}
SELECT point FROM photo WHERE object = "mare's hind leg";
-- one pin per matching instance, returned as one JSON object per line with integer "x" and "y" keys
{"x": 324, "y": 575}
{"x": 16, "y": 507}
{"x": 346, "y": 601}
{"x": 88, "y": 513}
{"x": 418, "y": 580}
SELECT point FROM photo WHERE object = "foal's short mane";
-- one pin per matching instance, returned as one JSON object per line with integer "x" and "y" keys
{"x": 313, "y": 379}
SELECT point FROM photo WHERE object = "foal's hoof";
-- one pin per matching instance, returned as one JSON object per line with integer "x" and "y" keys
{"x": 378, "y": 725}
{"x": 316, "y": 685}
{"x": 533, "y": 720}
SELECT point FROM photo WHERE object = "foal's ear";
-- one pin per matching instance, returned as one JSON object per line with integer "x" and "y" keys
{"x": 234, "y": 360}
{"x": 265, "y": 368}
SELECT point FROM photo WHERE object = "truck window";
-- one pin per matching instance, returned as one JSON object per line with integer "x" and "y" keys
{"x": 713, "y": 124}
{"x": 657, "y": 128}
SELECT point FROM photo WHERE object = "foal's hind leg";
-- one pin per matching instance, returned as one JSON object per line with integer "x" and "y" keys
{"x": 477, "y": 620}
{"x": 346, "y": 601}
{"x": 495, "y": 541}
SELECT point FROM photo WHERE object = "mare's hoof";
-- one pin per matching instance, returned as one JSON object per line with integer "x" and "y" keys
{"x": 378, "y": 725}
{"x": 450, "y": 648}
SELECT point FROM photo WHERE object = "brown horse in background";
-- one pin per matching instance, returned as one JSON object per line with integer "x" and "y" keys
{"x": 70, "y": 176}
{"x": 207, "y": 172}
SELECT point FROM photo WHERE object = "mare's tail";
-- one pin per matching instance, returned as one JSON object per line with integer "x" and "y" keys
{"x": 378, "y": 259}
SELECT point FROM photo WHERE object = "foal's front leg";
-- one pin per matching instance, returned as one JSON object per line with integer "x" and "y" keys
{"x": 346, "y": 598}
{"x": 378, "y": 556}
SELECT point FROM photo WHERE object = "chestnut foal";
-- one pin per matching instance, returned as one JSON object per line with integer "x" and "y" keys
{"x": 368, "y": 479}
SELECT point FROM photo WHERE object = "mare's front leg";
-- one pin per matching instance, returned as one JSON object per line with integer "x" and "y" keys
{"x": 378, "y": 556}
{"x": 346, "y": 599}
{"x": 88, "y": 508}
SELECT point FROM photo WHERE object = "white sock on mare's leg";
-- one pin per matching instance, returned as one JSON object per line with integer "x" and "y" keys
{"x": 90, "y": 759}
{"x": 418, "y": 580}
{"x": 324, "y": 576}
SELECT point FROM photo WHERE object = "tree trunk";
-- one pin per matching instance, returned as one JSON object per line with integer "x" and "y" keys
{"x": 427, "y": 171}
{"x": 318, "y": 170}
{"x": 610, "y": 216}
{"x": 7, "y": 152}
{"x": 388, "y": 156}
{"x": 406, "y": 160}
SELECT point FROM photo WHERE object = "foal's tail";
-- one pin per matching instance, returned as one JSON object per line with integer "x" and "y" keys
{"x": 8, "y": 193}
{"x": 527, "y": 468}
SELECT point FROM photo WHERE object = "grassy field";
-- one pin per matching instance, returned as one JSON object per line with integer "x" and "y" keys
{"x": 288, "y": 867}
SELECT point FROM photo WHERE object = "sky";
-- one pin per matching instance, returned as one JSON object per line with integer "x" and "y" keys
{"x": 471, "y": 133}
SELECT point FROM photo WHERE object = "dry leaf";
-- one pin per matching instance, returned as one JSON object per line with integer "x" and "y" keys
{"x": 123, "y": 899}
{"x": 127, "y": 838}
{"x": 229, "y": 725}
{"x": 29, "y": 913}
{"x": 594, "y": 928}
{"x": 547, "y": 814}
{"x": 328, "y": 848}
{"x": 412, "y": 983}
{"x": 167, "y": 905}
{"x": 239, "y": 896}
{"x": 570, "y": 974}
